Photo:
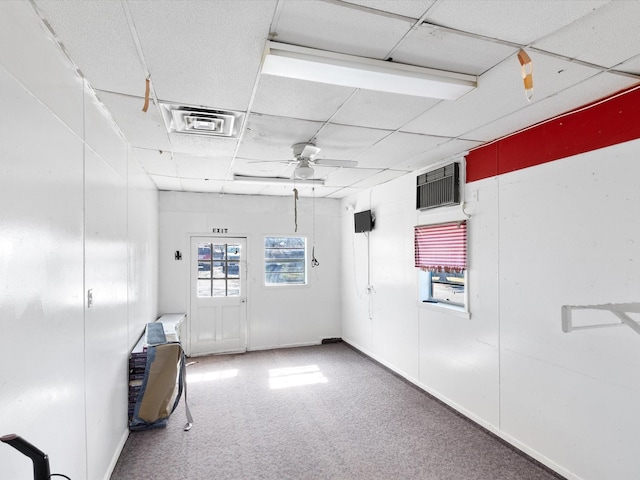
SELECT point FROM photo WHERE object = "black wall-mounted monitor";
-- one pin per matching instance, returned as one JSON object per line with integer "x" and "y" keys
{"x": 363, "y": 221}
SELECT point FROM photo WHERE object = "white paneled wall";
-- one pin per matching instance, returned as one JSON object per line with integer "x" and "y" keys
{"x": 77, "y": 213}
{"x": 277, "y": 316}
{"x": 561, "y": 233}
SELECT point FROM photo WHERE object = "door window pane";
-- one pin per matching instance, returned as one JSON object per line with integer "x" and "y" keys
{"x": 217, "y": 264}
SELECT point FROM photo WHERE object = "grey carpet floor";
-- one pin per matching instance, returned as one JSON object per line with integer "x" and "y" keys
{"x": 323, "y": 412}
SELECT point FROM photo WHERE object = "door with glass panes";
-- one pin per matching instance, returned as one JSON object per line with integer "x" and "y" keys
{"x": 218, "y": 309}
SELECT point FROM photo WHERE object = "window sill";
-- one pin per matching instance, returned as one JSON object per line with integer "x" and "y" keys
{"x": 446, "y": 309}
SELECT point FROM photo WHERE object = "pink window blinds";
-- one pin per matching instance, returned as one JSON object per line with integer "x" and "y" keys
{"x": 441, "y": 247}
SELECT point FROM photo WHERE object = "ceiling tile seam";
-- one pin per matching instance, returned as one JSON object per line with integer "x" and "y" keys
{"x": 531, "y": 47}
{"x": 594, "y": 66}
{"x": 245, "y": 120}
{"x": 277, "y": 12}
{"x": 141, "y": 58}
{"x": 328, "y": 121}
{"x": 411, "y": 30}
{"x": 560, "y": 115}
{"x": 371, "y": 10}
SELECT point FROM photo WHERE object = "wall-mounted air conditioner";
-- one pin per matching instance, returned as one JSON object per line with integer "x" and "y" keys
{"x": 438, "y": 187}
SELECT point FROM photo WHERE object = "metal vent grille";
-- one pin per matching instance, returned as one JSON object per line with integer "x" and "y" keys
{"x": 439, "y": 187}
{"x": 201, "y": 121}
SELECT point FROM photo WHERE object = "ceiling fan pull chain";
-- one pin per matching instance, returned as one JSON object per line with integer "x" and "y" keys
{"x": 295, "y": 208}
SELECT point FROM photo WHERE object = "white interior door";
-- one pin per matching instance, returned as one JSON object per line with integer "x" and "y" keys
{"x": 218, "y": 291}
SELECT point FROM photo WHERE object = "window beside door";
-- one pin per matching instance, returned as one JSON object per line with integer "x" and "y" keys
{"x": 285, "y": 260}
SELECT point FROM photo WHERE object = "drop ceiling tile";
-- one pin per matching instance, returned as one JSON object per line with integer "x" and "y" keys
{"x": 330, "y": 26}
{"x": 342, "y": 142}
{"x": 287, "y": 97}
{"x": 367, "y": 108}
{"x": 343, "y": 192}
{"x": 144, "y": 130}
{"x": 399, "y": 145}
{"x": 408, "y": 8}
{"x": 242, "y": 166}
{"x": 607, "y": 37}
{"x": 167, "y": 183}
{"x": 204, "y": 53}
{"x": 434, "y": 47}
{"x": 442, "y": 152}
{"x": 346, "y": 177}
{"x": 190, "y": 166}
{"x": 201, "y": 145}
{"x": 268, "y": 137}
{"x": 201, "y": 185}
{"x": 97, "y": 37}
{"x": 379, "y": 178}
{"x": 238, "y": 188}
{"x": 154, "y": 162}
{"x": 596, "y": 87}
{"x": 521, "y": 22}
{"x": 630, "y": 66}
{"x": 500, "y": 92}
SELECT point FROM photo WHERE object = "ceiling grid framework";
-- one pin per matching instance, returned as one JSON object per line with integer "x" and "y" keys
{"x": 210, "y": 54}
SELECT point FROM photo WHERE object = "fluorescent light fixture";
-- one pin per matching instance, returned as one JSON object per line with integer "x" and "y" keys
{"x": 321, "y": 66}
{"x": 276, "y": 180}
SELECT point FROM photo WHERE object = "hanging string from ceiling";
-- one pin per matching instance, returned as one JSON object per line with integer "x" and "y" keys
{"x": 295, "y": 208}
{"x": 314, "y": 261}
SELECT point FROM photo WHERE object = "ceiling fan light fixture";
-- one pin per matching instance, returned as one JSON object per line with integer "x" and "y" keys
{"x": 303, "y": 63}
{"x": 303, "y": 172}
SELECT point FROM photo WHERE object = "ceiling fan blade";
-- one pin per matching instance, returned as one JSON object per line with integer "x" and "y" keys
{"x": 309, "y": 151}
{"x": 327, "y": 162}
{"x": 271, "y": 161}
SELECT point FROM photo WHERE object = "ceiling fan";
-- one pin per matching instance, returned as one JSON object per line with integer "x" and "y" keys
{"x": 304, "y": 155}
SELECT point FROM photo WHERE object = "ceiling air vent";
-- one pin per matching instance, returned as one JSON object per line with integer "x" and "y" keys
{"x": 201, "y": 121}
{"x": 439, "y": 187}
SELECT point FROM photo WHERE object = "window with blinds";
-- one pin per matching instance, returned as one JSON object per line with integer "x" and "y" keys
{"x": 441, "y": 255}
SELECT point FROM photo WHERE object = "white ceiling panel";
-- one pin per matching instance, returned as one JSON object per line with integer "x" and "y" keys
{"x": 167, "y": 183}
{"x": 346, "y": 177}
{"x": 500, "y": 92}
{"x": 345, "y": 142}
{"x": 268, "y": 137}
{"x": 607, "y": 37}
{"x": 202, "y": 145}
{"x": 209, "y": 53}
{"x": 520, "y": 21}
{"x": 242, "y": 166}
{"x": 238, "y": 188}
{"x": 141, "y": 129}
{"x": 298, "y": 98}
{"x": 97, "y": 37}
{"x": 190, "y": 166}
{"x": 381, "y": 110}
{"x": 330, "y": 26}
{"x": 201, "y": 185}
{"x": 408, "y": 8}
{"x": 434, "y": 47}
{"x": 385, "y": 152}
{"x": 379, "y": 178}
{"x": 443, "y": 151}
{"x": 203, "y": 53}
{"x": 576, "y": 96}
{"x": 154, "y": 162}
{"x": 631, "y": 66}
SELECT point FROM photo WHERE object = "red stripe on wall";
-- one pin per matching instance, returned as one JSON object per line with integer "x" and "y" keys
{"x": 602, "y": 124}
